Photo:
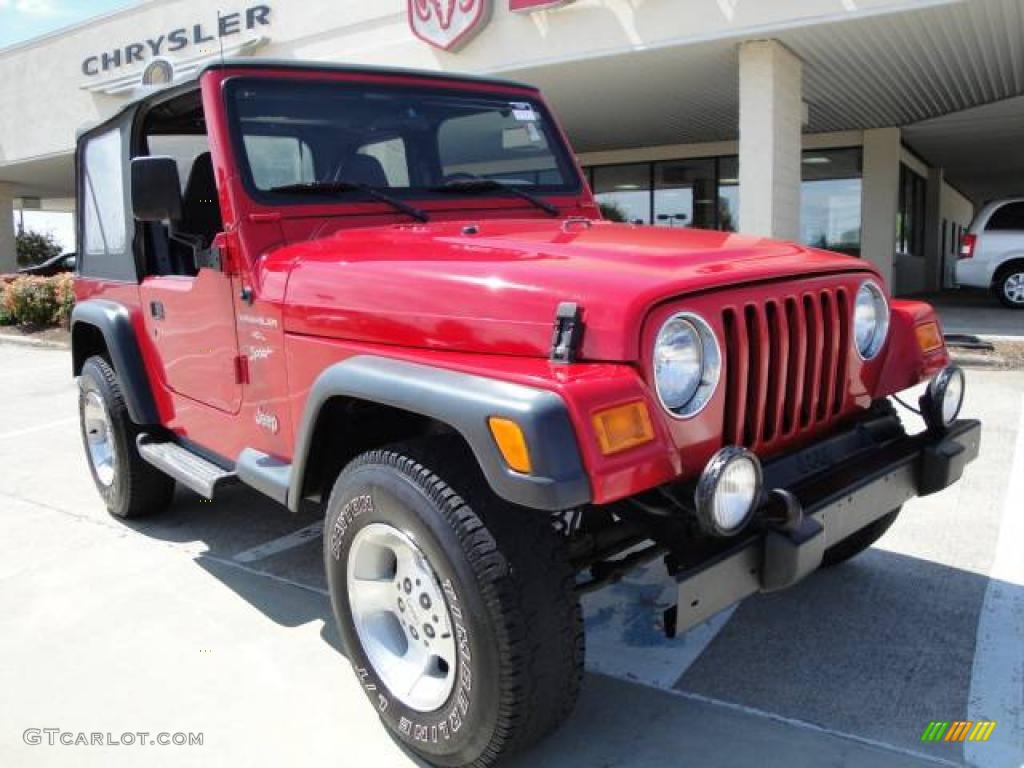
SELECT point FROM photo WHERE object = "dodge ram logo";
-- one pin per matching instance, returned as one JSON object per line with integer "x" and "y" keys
{"x": 448, "y": 24}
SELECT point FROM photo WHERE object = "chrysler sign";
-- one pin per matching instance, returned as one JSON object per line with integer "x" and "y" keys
{"x": 181, "y": 39}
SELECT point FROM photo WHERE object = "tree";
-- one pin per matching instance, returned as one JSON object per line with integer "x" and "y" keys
{"x": 36, "y": 247}
{"x": 612, "y": 212}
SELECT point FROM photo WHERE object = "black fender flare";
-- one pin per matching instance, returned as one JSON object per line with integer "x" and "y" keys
{"x": 114, "y": 322}
{"x": 464, "y": 402}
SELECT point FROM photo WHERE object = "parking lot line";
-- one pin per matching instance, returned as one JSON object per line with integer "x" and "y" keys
{"x": 797, "y": 723}
{"x": 39, "y": 428}
{"x": 276, "y": 546}
{"x": 997, "y": 676}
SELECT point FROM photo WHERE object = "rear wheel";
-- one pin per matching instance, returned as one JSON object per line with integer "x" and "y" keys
{"x": 130, "y": 487}
{"x": 863, "y": 539}
{"x": 1009, "y": 286}
{"x": 456, "y": 608}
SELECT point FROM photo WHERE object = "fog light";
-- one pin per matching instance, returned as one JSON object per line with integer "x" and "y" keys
{"x": 941, "y": 402}
{"x": 728, "y": 491}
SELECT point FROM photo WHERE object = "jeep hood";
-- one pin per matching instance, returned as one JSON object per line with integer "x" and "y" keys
{"x": 494, "y": 286}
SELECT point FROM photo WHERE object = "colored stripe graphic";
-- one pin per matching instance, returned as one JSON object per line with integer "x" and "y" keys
{"x": 958, "y": 730}
{"x": 935, "y": 731}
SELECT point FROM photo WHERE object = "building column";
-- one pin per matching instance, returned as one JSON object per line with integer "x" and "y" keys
{"x": 8, "y": 254}
{"x": 771, "y": 118}
{"x": 933, "y": 256}
{"x": 880, "y": 198}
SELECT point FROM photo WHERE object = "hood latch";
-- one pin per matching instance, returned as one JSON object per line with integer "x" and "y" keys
{"x": 568, "y": 332}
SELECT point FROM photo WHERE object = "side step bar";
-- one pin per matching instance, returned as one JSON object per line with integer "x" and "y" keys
{"x": 191, "y": 470}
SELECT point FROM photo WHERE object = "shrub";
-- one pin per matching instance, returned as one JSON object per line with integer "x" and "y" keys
{"x": 6, "y": 316}
{"x": 64, "y": 293}
{"x": 39, "y": 300}
{"x": 35, "y": 247}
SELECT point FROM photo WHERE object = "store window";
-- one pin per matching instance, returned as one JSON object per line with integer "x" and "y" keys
{"x": 910, "y": 218}
{"x": 684, "y": 193}
{"x": 624, "y": 192}
{"x": 830, "y": 199}
{"x": 705, "y": 193}
{"x": 729, "y": 194}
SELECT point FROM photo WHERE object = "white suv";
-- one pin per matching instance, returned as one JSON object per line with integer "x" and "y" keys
{"x": 992, "y": 253}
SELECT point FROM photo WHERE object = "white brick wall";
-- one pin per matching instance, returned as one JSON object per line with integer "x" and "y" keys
{"x": 771, "y": 117}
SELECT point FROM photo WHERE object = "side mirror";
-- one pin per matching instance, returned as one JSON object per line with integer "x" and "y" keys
{"x": 156, "y": 189}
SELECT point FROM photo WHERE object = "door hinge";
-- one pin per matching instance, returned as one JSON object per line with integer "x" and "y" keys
{"x": 568, "y": 332}
{"x": 241, "y": 369}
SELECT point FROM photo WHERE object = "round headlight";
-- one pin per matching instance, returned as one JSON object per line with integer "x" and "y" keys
{"x": 941, "y": 402}
{"x": 870, "y": 320}
{"x": 728, "y": 491}
{"x": 687, "y": 364}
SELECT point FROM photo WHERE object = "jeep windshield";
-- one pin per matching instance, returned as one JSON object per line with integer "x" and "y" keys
{"x": 303, "y": 141}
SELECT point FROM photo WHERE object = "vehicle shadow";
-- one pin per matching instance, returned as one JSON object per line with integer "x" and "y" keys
{"x": 876, "y": 648}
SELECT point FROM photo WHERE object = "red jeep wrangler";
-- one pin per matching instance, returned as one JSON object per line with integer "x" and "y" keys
{"x": 391, "y": 293}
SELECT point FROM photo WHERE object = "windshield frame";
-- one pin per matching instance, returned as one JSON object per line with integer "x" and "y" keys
{"x": 560, "y": 150}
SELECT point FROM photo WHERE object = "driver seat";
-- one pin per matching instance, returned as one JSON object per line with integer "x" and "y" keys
{"x": 200, "y": 208}
{"x": 365, "y": 170}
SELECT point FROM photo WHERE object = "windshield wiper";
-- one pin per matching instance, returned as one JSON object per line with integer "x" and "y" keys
{"x": 490, "y": 185}
{"x": 340, "y": 187}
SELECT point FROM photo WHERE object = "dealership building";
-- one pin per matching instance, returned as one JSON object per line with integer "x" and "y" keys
{"x": 872, "y": 127}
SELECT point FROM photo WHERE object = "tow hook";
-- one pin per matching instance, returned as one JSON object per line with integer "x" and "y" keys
{"x": 794, "y": 543}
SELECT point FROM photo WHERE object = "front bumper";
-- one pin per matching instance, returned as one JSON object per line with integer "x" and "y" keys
{"x": 843, "y": 485}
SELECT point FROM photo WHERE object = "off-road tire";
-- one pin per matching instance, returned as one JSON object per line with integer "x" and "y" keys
{"x": 852, "y": 546}
{"x": 1000, "y": 281}
{"x": 138, "y": 488}
{"x": 509, "y": 587}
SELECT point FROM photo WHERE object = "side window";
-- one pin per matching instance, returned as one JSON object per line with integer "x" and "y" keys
{"x": 391, "y": 156}
{"x": 1008, "y": 218}
{"x": 184, "y": 148}
{"x": 279, "y": 160}
{"x": 104, "y": 225}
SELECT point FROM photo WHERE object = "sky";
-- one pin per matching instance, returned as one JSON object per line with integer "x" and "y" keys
{"x": 22, "y": 20}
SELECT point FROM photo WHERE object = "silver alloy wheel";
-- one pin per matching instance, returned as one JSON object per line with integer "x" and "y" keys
{"x": 99, "y": 438}
{"x": 1013, "y": 288}
{"x": 401, "y": 617}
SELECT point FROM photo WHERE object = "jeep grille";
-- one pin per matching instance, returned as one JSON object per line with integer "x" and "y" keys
{"x": 786, "y": 366}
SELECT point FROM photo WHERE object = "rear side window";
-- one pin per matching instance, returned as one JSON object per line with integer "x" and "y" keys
{"x": 104, "y": 227}
{"x": 279, "y": 160}
{"x": 1009, "y": 217}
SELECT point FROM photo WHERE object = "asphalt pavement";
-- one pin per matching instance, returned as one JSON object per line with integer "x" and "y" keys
{"x": 213, "y": 619}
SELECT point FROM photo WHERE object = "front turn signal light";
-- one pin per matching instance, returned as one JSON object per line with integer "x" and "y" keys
{"x": 623, "y": 427}
{"x": 928, "y": 336}
{"x": 512, "y": 443}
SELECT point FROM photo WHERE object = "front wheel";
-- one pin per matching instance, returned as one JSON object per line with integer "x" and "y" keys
{"x": 456, "y": 609}
{"x": 1009, "y": 287}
